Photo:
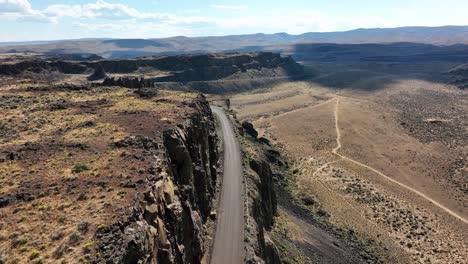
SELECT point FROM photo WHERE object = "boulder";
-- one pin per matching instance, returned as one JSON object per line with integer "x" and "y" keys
{"x": 249, "y": 129}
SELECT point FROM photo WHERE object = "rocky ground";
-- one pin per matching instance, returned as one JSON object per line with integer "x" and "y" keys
{"x": 416, "y": 230}
{"x": 438, "y": 115}
{"x": 104, "y": 174}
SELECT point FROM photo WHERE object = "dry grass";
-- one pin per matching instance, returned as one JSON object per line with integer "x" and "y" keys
{"x": 64, "y": 160}
{"x": 386, "y": 129}
{"x": 278, "y": 99}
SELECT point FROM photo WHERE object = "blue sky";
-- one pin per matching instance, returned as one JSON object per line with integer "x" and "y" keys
{"x": 22, "y": 20}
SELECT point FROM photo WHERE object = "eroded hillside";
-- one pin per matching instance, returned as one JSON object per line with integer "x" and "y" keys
{"x": 211, "y": 73}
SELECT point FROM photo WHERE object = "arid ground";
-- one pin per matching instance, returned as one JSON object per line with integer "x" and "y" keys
{"x": 384, "y": 154}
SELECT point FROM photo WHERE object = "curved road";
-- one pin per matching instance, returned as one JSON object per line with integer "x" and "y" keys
{"x": 228, "y": 243}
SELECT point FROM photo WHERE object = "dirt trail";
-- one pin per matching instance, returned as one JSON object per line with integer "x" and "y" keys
{"x": 338, "y": 147}
{"x": 300, "y": 109}
{"x": 228, "y": 242}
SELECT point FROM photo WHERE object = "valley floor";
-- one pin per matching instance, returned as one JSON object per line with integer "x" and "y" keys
{"x": 388, "y": 163}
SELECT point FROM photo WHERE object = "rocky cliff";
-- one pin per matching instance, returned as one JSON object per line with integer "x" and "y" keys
{"x": 166, "y": 224}
{"x": 234, "y": 71}
{"x": 261, "y": 201}
{"x": 109, "y": 175}
{"x": 217, "y": 67}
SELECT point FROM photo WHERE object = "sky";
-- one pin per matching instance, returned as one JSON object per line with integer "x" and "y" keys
{"x": 27, "y": 20}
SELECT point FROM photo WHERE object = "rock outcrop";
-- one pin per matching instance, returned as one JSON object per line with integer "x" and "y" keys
{"x": 209, "y": 73}
{"x": 128, "y": 82}
{"x": 37, "y": 66}
{"x": 261, "y": 204}
{"x": 262, "y": 209}
{"x": 266, "y": 205}
{"x": 249, "y": 129}
{"x": 99, "y": 73}
{"x": 460, "y": 76}
{"x": 216, "y": 67}
{"x": 166, "y": 224}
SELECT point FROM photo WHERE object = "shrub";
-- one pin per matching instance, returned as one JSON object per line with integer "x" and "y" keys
{"x": 77, "y": 168}
{"x": 43, "y": 207}
{"x": 83, "y": 227}
{"x": 34, "y": 254}
{"x": 24, "y": 249}
{"x": 122, "y": 194}
{"x": 60, "y": 250}
{"x": 19, "y": 241}
{"x": 87, "y": 247}
{"x": 74, "y": 238}
{"x": 322, "y": 213}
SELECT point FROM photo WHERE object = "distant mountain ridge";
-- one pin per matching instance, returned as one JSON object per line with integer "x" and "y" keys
{"x": 128, "y": 48}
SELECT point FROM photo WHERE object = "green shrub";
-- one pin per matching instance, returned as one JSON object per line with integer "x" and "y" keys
{"x": 34, "y": 254}
{"x": 43, "y": 207}
{"x": 77, "y": 168}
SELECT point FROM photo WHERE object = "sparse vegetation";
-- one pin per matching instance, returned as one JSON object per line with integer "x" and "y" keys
{"x": 64, "y": 166}
{"x": 299, "y": 117}
{"x": 34, "y": 254}
{"x": 77, "y": 168}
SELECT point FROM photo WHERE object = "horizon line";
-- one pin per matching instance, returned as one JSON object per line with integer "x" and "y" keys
{"x": 211, "y": 36}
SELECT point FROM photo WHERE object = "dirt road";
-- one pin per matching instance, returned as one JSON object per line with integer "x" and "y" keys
{"x": 338, "y": 147}
{"x": 228, "y": 243}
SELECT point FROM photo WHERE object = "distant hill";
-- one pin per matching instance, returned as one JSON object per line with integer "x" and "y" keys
{"x": 395, "y": 52}
{"x": 128, "y": 48}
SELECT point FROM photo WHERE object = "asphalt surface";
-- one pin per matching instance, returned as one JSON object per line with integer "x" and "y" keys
{"x": 228, "y": 244}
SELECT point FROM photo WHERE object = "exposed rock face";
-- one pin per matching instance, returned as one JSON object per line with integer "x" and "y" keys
{"x": 262, "y": 206}
{"x": 166, "y": 223}
{"x": 40, "y": 65}
{"x": 262, "y": 209}
{"x": 460, "y": 76}
{"x": 207, "y": 73}
{"x": 182, "y": 68}
{"x": 215, "y": 67}
{"x": 249, "y": 129}
{"x": 99, "y": 73}
{"x": 128, "y": 82}
{"x": 266, "y": 207}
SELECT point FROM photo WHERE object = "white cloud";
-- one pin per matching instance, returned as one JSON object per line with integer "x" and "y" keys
{"x": 15, "y": 6}
{"x": 106, "y": 18}
{"x": 37, "y": 17}
{"x": 293, "y": 22}
{"x": 171, "y": 25}
{"x": 74, "y": 11}
{"x": 234, "y": 7}
{"x": 22, "y": 10}
{"x": 99, "y": 9}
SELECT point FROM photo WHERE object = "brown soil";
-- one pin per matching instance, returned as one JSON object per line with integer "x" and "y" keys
{"x": 61, "y": 175}
{"x": 396, "y": 172}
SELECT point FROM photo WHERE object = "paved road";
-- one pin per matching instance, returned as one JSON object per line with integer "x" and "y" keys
{"x": 228, "y": 244}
